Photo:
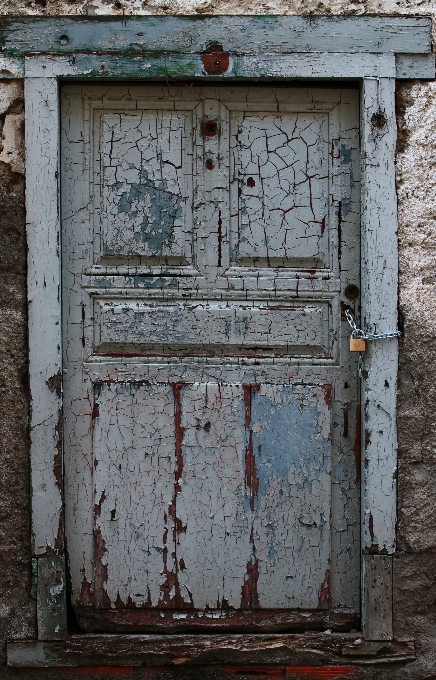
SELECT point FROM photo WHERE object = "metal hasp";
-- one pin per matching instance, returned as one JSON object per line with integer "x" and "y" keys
{"x": 373, "y": 50}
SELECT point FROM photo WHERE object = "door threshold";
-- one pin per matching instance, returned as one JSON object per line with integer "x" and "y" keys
{"x": 243, "y": 650}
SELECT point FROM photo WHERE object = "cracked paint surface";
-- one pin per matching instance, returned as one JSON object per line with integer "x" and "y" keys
{"x": 212, "y": 418}
{"x": 218, "y": 327}
{"x": 191, "y": 538}
{"x": 282, "y": 165}
{"x": 145, "y": 176}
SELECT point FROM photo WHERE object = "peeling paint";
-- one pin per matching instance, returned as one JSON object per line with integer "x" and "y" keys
{"x": 207, "y": 420}
{"x": 145, "y": 187}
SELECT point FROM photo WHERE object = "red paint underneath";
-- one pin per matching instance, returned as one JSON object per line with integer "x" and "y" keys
{"x": 324, "y": 592}
{"x": 251, "y": 478}
{"x": 215, "y": 63}
{"x": 172, "y": 581}
{"x": 101, "y": 573}
{"x": 97, "y": 506}
{"x": 249, "y": 595}
{"x": 322, "y": 672}
{"x": 265, "y": 672}
{"x": 327, "y": 395}
{"x": 162, "y": 619}
{"x": 86, "y": 593}
{"x": 179, "y": 431}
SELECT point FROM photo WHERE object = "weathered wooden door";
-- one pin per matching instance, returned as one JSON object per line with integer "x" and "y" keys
{"x": 210, "y": 241}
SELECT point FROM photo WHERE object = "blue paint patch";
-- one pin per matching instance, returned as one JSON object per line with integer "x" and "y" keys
{"x": 289, "y": 440}
{"x": 102, "y": 282}
{"x": 153, "y": 282}
{"x": 345, "y": 155}
{"x": 159, "y": 208}
{"x": 345, "y": 207}
{"x": 341, "y": 471}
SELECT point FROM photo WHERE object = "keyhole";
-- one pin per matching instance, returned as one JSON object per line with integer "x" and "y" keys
{"x": 352, "y": 291}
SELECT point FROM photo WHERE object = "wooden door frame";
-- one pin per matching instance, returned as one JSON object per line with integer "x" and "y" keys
{"x": 372, "y": 50}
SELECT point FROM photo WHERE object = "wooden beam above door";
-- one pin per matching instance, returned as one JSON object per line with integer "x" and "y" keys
{"x": 257, "y": 47}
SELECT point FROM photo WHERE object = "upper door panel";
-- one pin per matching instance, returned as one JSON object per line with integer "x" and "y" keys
{"x": 144, "y": 184}
{"x": 280, "y": 165}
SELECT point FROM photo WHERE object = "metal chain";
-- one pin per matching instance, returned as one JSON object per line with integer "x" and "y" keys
{"x": 359, "y": 333}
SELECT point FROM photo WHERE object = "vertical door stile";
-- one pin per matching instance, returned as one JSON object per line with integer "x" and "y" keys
{"x": 45, "y": 365}
{"x": 379, "y": 312}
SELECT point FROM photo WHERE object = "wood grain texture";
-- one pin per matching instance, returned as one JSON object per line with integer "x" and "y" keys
{"x": 219, "y": 650}
{"x": 239, "y": 34}
{"x": 44, "y": 314}
{"x": 378, "y": 610}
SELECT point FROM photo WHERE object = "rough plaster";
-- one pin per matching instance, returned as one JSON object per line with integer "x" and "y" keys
{"x": 415, "y": 562}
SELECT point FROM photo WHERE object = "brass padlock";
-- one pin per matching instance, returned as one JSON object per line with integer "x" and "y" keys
{"x": 357, "y": 345}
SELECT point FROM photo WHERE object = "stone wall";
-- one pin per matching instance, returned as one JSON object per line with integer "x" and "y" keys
{"x": 415, "y": 561}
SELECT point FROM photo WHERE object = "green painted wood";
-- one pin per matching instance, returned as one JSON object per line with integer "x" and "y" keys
{"x": 51, "y": 599}
{"x": 172, "y": 66}
{"x": 237, "y": 34}
{"x": 175, "y": 67}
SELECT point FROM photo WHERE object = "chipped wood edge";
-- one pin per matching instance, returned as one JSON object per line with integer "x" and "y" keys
{"x": 377, "y": 600}
{"x": 379, "y": 313}
{"x": 194, "y": 650}
{"x": 51, "y": 599}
